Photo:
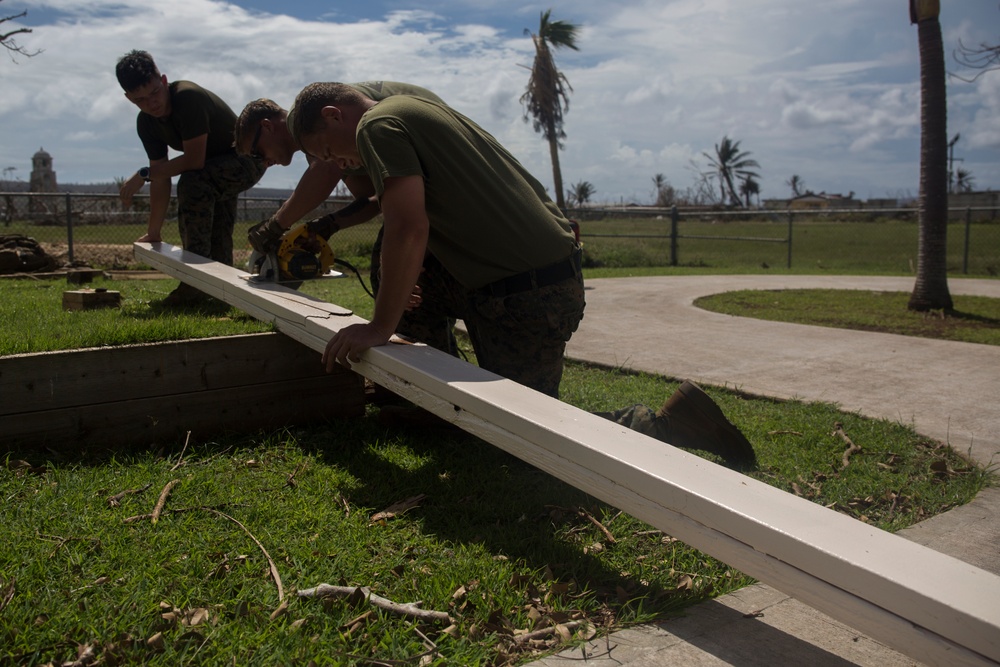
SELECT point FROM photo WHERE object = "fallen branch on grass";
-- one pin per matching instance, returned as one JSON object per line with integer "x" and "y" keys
{"x": 851, "y": 447}
{"x": 273, "y": 567}
{"x": 178, "y": 510}
{"x": 63, "y": 541}
{"x": 163, "y": 499}
{"x": 183, "y": 449}
{"x": 542, "y": 633}
{"x": 115, "y": 500}
{"x": 589, "y": 517}
{"x": 409, "y": 609}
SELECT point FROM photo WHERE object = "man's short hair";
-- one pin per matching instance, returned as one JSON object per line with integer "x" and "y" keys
{"x": 135, "y": 69}
{"x": 304, "y": 116}
{"x": 249, "y": 120}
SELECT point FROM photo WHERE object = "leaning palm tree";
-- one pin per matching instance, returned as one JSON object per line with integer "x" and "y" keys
{"x": 731, "y": 165}
{"x": 547, "y": 95}
{"x": 930, "y": 292}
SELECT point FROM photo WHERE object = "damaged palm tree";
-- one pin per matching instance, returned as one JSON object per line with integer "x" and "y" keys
{"x": 547, "y": 96}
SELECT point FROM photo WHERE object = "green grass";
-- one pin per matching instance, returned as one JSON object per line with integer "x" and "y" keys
{"x": 37, "y": 322}
{"x": 975, "y": 319}
{"x": 496, "y": 543}
{"x": 818, "y": 247}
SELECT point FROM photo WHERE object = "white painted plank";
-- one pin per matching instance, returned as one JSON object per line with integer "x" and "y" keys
{"x": 932, "y": 607}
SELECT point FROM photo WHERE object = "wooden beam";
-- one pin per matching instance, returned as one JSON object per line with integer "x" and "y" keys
{"x": 930, "y": 606}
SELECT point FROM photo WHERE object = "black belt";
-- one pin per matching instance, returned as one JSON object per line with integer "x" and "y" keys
{"x": 547, "y": 275}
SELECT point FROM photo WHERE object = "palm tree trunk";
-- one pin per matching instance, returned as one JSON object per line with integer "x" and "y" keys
{"x": 931, "y": 289}
{"x": 556, "y": 172}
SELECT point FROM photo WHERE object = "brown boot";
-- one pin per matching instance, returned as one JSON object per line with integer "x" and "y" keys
{"x": 691, "y": 419}
{"x": 184, "y": 295}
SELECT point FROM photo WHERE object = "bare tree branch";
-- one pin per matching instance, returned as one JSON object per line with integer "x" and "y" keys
{"x": 7, "y": 38}
{"x": 984, "y": 58}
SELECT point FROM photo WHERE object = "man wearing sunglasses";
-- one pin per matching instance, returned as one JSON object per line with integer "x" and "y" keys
{"x": 262, "y": 133}
{"x": 198, "y": 125}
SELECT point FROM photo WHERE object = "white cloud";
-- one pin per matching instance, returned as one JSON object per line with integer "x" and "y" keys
{"x": 828, "y": 91}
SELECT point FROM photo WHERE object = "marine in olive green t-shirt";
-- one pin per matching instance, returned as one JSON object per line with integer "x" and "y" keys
{"x": 489, "y": 218}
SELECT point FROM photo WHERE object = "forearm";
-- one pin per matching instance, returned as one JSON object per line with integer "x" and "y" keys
{"x": 316, "y": 184}
{"x": 355, "y": 213}
{"x": 403, "y": 253}
{"x": 159, "y": 202}
{"x": 167, "y": 169}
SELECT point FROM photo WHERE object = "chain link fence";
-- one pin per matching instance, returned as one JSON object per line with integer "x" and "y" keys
{"x": 93, "y": 230}
{"x": 883, "y": 240}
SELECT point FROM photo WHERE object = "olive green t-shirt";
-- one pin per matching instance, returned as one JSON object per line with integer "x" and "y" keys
{"x": 489, "y": 217}
{"x": 379, "y": 90}
{"x": 194, "y": 111}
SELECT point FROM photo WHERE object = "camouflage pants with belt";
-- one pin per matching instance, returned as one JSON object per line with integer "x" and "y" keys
{"x": 520, "y": 336}
{"x": 500, "y": 345}
{"x": 206, "y": 203}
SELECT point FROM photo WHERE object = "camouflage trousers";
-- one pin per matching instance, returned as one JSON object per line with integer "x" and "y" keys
{"x": 639, "y": 418}
{"x": 520, "y": 336}
{"x": 206, "y": 203}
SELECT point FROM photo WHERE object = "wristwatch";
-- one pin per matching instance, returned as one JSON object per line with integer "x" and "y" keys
{"x": 144, "y": 172}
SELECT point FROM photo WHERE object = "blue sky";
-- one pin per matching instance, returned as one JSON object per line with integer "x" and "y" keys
{"x": 827, "y": 91}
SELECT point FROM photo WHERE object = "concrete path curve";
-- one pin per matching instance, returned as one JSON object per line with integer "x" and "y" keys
{"x": 948, "y": 391}
{"x": 942, "y": 388}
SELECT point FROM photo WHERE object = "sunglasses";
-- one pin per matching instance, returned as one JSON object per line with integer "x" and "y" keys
{"x": 253, "y": 145}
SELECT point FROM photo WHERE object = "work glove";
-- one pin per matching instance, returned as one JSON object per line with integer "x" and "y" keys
{"x": 266, "y": 236}
{"x": 324, "y": 227}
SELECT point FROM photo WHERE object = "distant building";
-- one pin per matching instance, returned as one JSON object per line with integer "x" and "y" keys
{"x": 812, "y": 201}
{"x": 987, "y": 199}
{"x": 43, "y": 177}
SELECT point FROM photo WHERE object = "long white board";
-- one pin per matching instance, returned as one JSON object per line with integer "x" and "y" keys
{"x": 932, "y": 607}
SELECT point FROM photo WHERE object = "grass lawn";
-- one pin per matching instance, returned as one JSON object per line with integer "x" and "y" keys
{"x": 975, "y": 319}
{"x": 498, "y": 545}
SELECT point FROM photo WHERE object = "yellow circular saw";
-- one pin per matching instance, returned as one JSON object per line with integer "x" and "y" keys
{"x": 300, "y": 256}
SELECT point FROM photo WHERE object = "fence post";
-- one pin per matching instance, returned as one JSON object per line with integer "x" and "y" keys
{"x": 968, "y": 232}
{"x": 791, "y": 216}
{"x": 674, "y": 218}
{"x": 69, "y": 227}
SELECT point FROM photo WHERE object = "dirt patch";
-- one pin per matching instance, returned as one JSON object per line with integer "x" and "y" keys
{"x": 103, "y": 255}
{"x": 110, "y": 256}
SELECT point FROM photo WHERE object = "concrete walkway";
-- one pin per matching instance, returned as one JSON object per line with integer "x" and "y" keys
{"x": 945, "y": 390}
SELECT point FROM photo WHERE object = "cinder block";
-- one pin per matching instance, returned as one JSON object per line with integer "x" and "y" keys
{"x": 87, "y": 299}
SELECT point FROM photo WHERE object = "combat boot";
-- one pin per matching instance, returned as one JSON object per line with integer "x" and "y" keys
{"x": 184, "y": 295}
{"x": 691, "y": 419}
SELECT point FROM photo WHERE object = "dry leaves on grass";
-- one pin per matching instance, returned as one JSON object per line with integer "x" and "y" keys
{"x": 397, "y": 508}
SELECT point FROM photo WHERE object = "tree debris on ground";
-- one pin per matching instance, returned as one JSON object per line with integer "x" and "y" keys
{"x": 23, "y": 254}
